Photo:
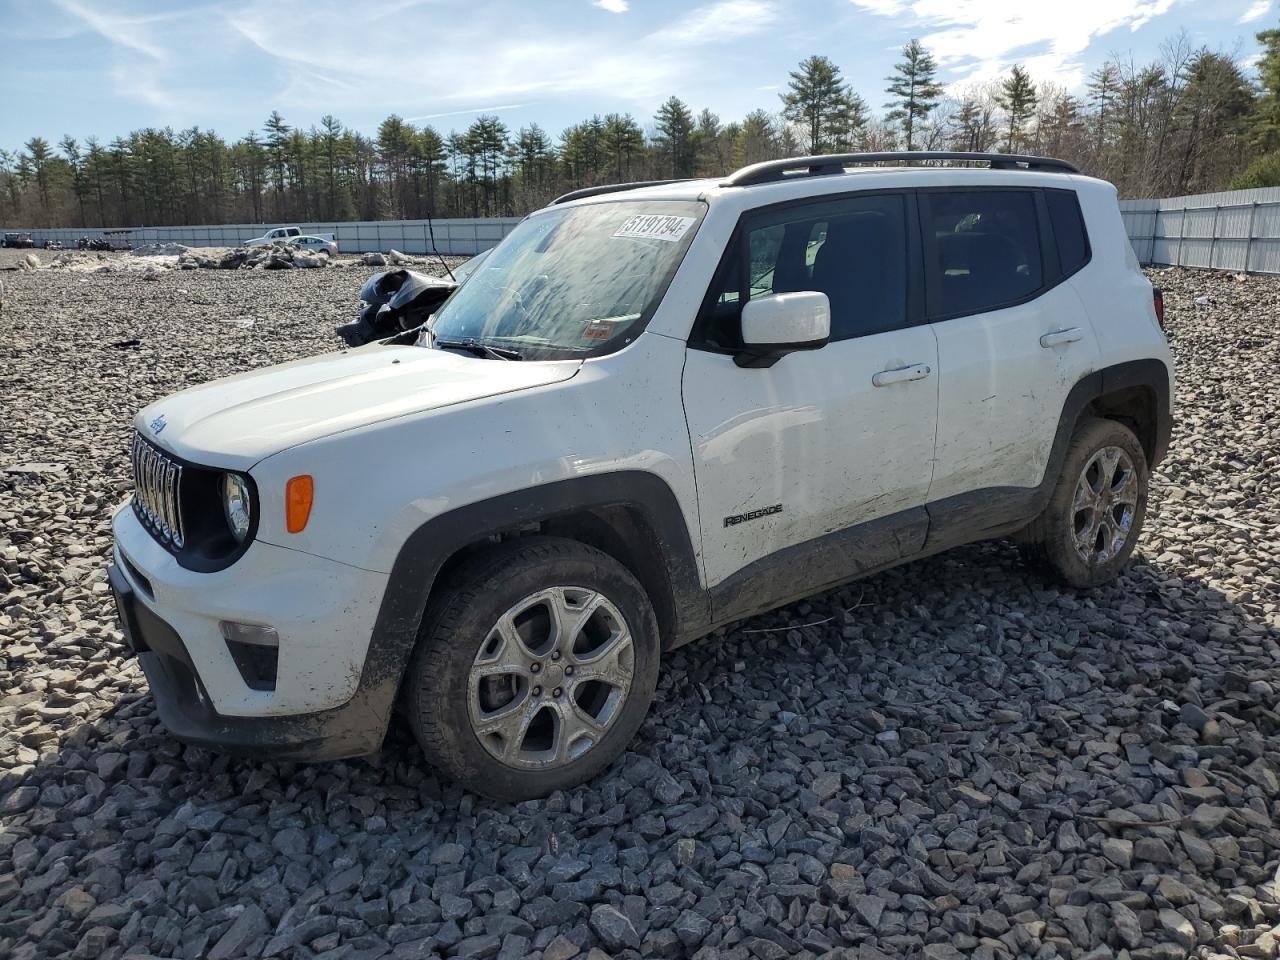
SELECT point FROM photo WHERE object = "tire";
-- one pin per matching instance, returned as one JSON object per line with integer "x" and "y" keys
{"x": 1079, "y": 542}
{"x": 499, "y": 698}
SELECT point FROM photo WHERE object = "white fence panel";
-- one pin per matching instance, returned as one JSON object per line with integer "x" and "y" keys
{"x": 459, "y": 237}
{"x": 1235, "y": 230}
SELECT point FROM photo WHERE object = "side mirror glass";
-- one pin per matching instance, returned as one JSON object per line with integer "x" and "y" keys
{"x": 783, "y": 323}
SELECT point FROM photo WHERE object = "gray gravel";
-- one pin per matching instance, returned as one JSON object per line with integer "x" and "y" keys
{"x": 957, "y": 760}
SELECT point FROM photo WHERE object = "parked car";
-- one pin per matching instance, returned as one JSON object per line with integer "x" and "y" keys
{"x": 652, "y": 411}
{"x": 19, "y": 240}
{"x": 52, "y": 244}
{"x": 282, "y": 235}
{"x": 315, "y": 244}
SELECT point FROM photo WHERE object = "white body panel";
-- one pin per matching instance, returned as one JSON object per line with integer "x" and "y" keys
{"x": 236, "y": 421}
{"x": 1113, "y": 288}
{"x": 620, "y": 412}
{"x": 1000, "y": 393}
{"x": 813, "y": 434}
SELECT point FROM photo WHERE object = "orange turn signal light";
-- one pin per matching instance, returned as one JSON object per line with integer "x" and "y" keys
{"x": 298, "y": 494}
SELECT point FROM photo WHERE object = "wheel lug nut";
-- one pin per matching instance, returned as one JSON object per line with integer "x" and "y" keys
{"x": 537, "y": 691}
{"x": 556, "y": 692}
{"x": 568, "y": 671}
{"x": 555, "y": 655}
{"x": 536, "y": 668}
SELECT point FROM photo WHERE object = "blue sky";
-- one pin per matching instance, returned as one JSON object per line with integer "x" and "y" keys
{"x": 106, "y": 67}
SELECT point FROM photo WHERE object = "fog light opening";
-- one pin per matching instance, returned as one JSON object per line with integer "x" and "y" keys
{"x": 255, "y": 650}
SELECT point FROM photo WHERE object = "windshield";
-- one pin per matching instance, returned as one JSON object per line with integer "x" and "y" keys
{"x": 572, "y": 282}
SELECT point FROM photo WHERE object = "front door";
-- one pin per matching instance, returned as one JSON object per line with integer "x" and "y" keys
{"x": 816, "y": 468}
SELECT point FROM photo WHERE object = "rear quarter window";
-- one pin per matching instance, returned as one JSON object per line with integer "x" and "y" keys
{"x": 1068, "y": 229}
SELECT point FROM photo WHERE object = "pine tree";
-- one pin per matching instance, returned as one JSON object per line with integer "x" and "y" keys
{"x": 914, "y": 89}
{"x": 277, "y": 137}
{"x": 815, "y": 96}
{"x": 847, "y": 128}
{"x": 1103, "y": 86}
{"x": 1265, "y": 124}
{"x": 623, "y": 142}
{"x": 674, "y": 123}
{"x": 1017, "y": 97}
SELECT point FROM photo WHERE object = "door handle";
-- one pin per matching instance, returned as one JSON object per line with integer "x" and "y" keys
{"x": 917, "y": 371}
{"x": 1058, "y": 337}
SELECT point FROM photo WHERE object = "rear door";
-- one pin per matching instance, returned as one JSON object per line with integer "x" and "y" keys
{"x": 823, "y": 441}
{"x": 1013, "y": 338}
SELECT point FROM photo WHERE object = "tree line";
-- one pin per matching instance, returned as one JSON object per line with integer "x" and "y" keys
{"x": 1189, "y": 121}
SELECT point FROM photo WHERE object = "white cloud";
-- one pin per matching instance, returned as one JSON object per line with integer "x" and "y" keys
{"x": 1255, "y": 12}
{"x": 613, "y": 6}
{"x": 130, "y": 32}
{"x": 469, "y": 110}
{"x": 977, "y": 40}
{"x": 523, "y": 56}
{"x": 718, "y": 22}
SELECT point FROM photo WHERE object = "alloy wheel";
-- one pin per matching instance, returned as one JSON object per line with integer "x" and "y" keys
{"x": 550, "y": 678}
{"x": 1103, "y": 507}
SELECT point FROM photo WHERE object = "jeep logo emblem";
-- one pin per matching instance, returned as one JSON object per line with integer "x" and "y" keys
{"x": 158, "y": 424}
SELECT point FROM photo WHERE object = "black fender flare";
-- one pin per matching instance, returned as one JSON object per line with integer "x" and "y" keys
{"x": 426, "y": 550}
{"x": 1149, "y": 373}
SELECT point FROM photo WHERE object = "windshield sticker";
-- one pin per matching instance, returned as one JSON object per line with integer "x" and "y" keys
{"x": 650, "y": 226}
{"x": 598, "y": 330}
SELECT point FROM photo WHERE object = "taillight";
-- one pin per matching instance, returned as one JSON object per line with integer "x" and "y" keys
{"x": 1157, "y": 296}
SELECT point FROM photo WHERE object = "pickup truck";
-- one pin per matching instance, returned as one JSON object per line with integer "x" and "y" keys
{"x": 283, "y": 235}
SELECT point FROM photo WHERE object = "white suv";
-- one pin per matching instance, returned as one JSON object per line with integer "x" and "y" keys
{"x": 653, "y": 410}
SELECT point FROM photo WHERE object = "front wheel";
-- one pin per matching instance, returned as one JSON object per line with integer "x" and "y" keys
{"x": 1090, "y": 527}
{"x": 534, "y": 668}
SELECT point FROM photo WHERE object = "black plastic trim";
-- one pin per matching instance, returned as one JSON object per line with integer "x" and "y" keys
{"x": 607, "y": 188}
{"x": 773, "y": 171}
{"x": 424, "y": 553}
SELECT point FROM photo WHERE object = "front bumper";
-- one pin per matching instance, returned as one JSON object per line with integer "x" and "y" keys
{"x": 351, "y": 730}
{"x": 322, "y": 705}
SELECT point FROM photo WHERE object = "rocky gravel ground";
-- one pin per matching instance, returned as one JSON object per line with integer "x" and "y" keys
{"x": 953, "y": 759}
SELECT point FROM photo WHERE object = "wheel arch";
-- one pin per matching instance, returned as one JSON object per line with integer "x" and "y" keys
{"x": 633, "y": 516}
{"x": 1137, "y": 395}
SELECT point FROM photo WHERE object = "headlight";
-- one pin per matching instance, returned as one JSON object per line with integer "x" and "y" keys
{"x": 236, "y": 505}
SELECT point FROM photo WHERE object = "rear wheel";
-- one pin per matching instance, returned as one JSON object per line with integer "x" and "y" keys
{"x": 535, "y": 667}
{"x": 1089, "y": 530}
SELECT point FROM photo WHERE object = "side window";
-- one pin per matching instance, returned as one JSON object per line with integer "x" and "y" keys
{"x": 1068, "y": 229}
{"x": 982, "y": 249}
{"x": 854, "y": 250}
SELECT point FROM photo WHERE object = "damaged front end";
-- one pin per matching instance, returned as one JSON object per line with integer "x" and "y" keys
{"x": 394, "y": 301}
{"x": 400, "y": 300}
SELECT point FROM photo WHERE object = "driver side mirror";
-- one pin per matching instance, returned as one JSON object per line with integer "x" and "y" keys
{"x": 782, "y": 323}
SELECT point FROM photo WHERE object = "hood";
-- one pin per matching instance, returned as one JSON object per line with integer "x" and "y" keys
{"x": 237, "y": 421}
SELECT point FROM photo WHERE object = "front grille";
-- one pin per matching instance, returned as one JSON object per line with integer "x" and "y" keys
{"x": 157, "y": 481}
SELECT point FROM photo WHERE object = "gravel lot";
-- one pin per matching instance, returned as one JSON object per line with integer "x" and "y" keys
{"x": 950, "y": 759}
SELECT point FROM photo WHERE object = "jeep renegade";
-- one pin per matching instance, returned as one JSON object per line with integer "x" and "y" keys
{"x": 655, "y": 409}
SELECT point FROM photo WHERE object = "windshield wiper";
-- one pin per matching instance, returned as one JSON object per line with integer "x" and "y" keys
{"x": 479, "y": 348}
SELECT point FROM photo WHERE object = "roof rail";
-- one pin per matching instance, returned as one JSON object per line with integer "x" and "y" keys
{"x": 611, "y": 188}
{"x": 773, "y": 170}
